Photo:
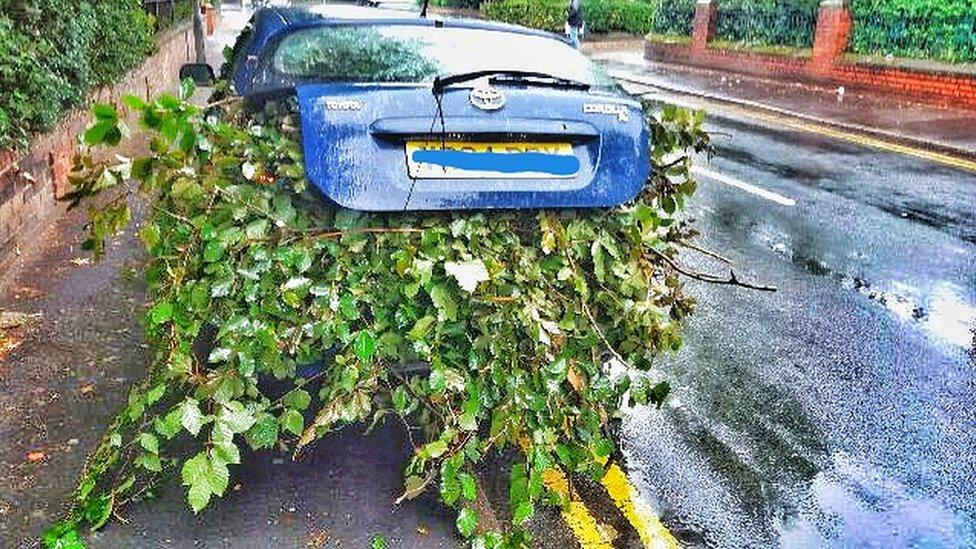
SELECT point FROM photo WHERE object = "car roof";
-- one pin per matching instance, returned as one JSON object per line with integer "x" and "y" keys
{"x": 326, "y": 14}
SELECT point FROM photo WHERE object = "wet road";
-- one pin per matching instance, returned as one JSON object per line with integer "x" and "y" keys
{"x": 840, "y": 411}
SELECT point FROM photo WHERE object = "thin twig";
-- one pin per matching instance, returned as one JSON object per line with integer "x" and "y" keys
{"x": 365, "y": 230}
{"x": 596, "y": 326}
{"x": 709, "y": 253}
{"x": 713, "y": 279}
{"x": 224, "y": 101}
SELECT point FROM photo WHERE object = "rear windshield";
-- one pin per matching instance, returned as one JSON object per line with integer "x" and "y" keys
{"x": 410, "y": 53}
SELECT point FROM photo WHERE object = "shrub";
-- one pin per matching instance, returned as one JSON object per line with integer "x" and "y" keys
{"x": 600, "y": 15}
{"x": 468, "y": 4}
{"x": 768, "y": 22}
{"x": 674, "y": 17}
{"x": 53, "y": 52}
{"x": 934, "y": 29}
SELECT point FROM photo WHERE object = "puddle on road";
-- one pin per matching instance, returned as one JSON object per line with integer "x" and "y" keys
{"x": 941, "y": 310}
{"x": 865, "y": 508}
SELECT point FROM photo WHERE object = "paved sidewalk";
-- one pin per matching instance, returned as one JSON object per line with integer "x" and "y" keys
{"x": 936, "y": 127}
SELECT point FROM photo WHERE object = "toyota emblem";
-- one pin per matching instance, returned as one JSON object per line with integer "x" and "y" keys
{"x": 487, "y": 98}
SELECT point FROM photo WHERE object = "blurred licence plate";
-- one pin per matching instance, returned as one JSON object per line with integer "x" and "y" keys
{"x": 472, "y": 160}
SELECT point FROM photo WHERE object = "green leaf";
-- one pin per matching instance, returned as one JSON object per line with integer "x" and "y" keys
{"x": 523, "y": 511}
{"x": 235, "y": 417}
{"x": 156, "y": 393}
{"x": 133, "y": 101}
{"x": 443, "y": 301}
{"x": 161, "y": 312}
{"x": 150, "y": 462}
{"x": 218, "y": 477}
{"x": 104, "y": 112}
{"x": 195, "y": 469}
{"x": 228, "y": 452}
{"x": 365, "y": 345}
{"x": 149, "y": 442}
{"x": 169, "y": 425}
{"x": 63, "y": 535}
{"x": 469, "y": 487}
{"x": 198, "y": 496}
{"x": 378, "y": 542}
{"x": 298, "y": 399}
{"x": 659, "y": 393}
{"x": 98, "y": 510}
{"x": 190, "y": 416}
{"x": 466, "y": 522}
{"x": 401, "y": 399}
{"x": 468, "y": 422}
{"x": 436, "y": 449}
{"x": 264, "y": 432}
{"x": 293, "y": 422}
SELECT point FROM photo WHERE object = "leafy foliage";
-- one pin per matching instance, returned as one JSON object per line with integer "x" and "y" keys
{"x": 483, "y": 330}
{"x": 930, "y": 29}
{"x": 768, "y": 22}
{"x": 601, "y": 16}
{"x": 674, "y": 17}
{"x": 53, "y": 52}
{"x": 469, "y": 4}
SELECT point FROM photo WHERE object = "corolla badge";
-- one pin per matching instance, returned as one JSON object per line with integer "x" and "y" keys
{"x": 619, "y": 111}
{"x": 487, "y": 98}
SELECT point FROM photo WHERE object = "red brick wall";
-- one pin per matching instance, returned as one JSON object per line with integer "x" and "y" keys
{"x": 31, "y": 182}
{"x": 703, "y": 25}
{"x": 731, "y": 60}
{"x": 833, "y": 32}
{"x": 934, "y": 87}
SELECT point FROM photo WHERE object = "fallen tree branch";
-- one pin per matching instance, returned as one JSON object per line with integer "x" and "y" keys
{"x": 365, "y": 230}
{"x": 732, "y": 280}
{"x": 709, "y": 253}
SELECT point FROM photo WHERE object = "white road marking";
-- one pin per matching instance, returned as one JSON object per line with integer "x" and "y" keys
{"x": 742, "y": 185}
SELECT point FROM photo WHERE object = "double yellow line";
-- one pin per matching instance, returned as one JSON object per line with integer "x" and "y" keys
{"x": 591, "y": 533}
{"x": 801, "y": 123}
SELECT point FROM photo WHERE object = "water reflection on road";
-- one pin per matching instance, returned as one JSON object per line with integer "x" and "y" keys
{"x": 840, "y": 411}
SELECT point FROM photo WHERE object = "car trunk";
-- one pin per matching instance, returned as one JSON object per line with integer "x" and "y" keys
{"x": 383, "y": 147}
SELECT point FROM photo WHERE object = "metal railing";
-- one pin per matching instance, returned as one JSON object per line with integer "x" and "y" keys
{"x": 942, "y": 38}
{"x": 764, "y": 25}
{"x": 167, "y": 12}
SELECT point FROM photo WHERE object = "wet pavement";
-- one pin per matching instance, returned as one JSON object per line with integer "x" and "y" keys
{"x": 839, "y": 411}
{"x": 941, "y": 124}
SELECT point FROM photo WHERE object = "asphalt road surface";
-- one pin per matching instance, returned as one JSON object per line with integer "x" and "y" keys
{"x": 839, "y": 411}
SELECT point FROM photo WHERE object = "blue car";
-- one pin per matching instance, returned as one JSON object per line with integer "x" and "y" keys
{"x": 401, "y": 112}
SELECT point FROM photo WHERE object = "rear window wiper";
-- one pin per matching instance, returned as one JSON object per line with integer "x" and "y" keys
{"x": 529, "y": 78}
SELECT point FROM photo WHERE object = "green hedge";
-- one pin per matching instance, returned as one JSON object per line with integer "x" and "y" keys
{"x": 53, "y": 52}
{"x": 933, "y": 29}
{"x": 674, "y": 17}
{"x": 600, "y": 15}
{"x": 469, "y": 4}
{"x": 768, "y": 22}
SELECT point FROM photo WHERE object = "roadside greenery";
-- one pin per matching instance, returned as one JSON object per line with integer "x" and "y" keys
{"x": 601, "y": 16}
{"x": 674, "y": 18}
{"x": 480, "y": 331}
{"x": 943, "y": 30}
{"x": 767, "y": 22}
{"x": 53, "y": 52}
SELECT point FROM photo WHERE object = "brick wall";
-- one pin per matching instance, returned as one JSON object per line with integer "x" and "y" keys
{"x": 826, "y": 63}
{"x": 936, "y": 87}
{"x": 32, "y": 181}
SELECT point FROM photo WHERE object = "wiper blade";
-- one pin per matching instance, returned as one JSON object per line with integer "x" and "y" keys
{"x": 543, "y": 81}
{"x": 507, "y": 76}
